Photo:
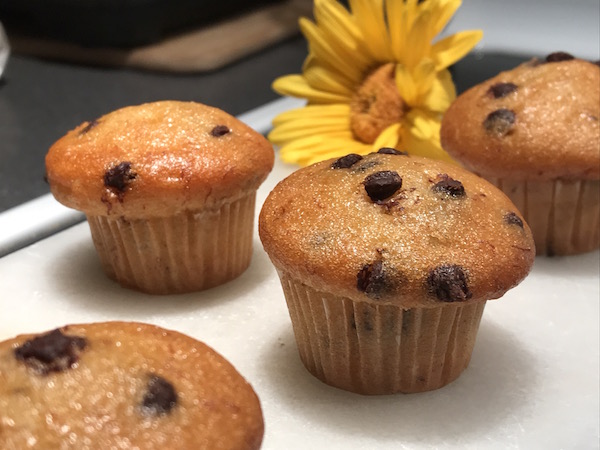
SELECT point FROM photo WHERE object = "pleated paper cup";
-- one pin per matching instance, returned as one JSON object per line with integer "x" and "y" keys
{"x": 564, "y": 216}
{"x": 190, "y": 251}
{"x": 373, "y": 349}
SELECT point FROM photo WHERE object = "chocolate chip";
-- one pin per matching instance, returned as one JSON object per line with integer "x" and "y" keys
{"x": 499, "y": 122}
{"x": 160, "y": 397}
{"x": 383, "y": 184}
{"x": 371, "y": 279}
{"x": 118, "y": 177}
{"x": 500, "y": 90}
{"x": 391, "y": 151}
{"x": 559, "y": 56}
{"x": 346, "y": 162}
{"x": 88, "y": 127}
{"x": 511, "y": 218}
{"x": 220, "y": 130}
{"x": 51, "y": 352}
{"x": 366, "y": 166}
{"x": 448, "y": 185}
{"x": 449, "y": 283}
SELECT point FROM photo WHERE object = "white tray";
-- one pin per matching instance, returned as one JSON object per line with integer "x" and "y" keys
{"x": 533, "y": 382}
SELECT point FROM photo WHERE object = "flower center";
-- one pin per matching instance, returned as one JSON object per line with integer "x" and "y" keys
{"x": 376, "y": 105}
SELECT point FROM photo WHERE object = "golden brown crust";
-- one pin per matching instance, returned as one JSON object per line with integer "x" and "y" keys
{"x": 175, "y": 161}
{"x": 320, "y": 226}
{"x": 97, "y": 403}
{"x": 555, "y": 134}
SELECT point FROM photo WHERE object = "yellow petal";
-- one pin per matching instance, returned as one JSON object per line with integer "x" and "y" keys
{"x": 369, "y": 16}
{"x": 441, "y": 94}
{"x": 388, "y": 137}
{"x": 422, "y": 125}
{"x": 316, "y": 148}
{"x": 296, "y": 86}
{"x": 397, "y": 17}
{"x": 331, "y": 14}
{"x": 339, "y": 29}
{"x": 406, "y": 85}
{"x": 324, "y": 51}
{"x": 295, "y": 129}
{"x": 323, "y": 80}
{"x": 316, "y": 111}
{"x": 422, "y": 136}
{"x": 311, "y": 62}
{"x": 424, "y": 76}
{"x": 427, "y": 149}
{"x": 442, "y": 12}
{"x": 449, "y": 50}
{"x": 419, "y": 43}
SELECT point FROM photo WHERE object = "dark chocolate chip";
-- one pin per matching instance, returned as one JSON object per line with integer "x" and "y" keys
{"x": 371, "y": 279}
{"x": 220, "y": 130}
{"x": 366, "y": 166}
{"x": 51, "y": 352}
{"x": 448, "y": 185}
{"x": 511, "y": 218}
{"x": 499, "y": 122}
{"x": 391, "y": 151}
{"x": 346, "y": 162}
{"x": 559, "y": 56}
{"x": 449, "y": 283}
{"x": 383, "y": 184}
{"x": 160, "y": 397}
{"x": 118, "y": 177}
{"x": 88, "y": 127}
{"x": 500, "y": 90}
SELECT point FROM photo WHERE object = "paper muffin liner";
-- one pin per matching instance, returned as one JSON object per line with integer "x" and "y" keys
{"x": 186, "y": 252}
{"x": 380, "y": 349}
{"x": 564, "y": 216}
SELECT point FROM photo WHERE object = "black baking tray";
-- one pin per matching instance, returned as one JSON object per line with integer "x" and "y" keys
{"x": 116, "y": 23}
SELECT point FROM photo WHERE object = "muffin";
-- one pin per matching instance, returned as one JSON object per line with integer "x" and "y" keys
{"x": 533, "y": 131}
{"x": 122, "y": 385}
{"x": 386, "y": 263}
{"x": 168, "y": 189}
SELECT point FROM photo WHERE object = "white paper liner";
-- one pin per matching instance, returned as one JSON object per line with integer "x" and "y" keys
{"x": 187, "y": 252}
{"x": 564, "y": 216}
{"x": 380, "y": 349}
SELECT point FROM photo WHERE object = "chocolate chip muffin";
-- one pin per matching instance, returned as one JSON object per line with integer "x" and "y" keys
{"x": 168, "y": 189}
{"x": 533, "y": 131}
{"x": 122, "y": 385}
{"x": 386, "y": 263}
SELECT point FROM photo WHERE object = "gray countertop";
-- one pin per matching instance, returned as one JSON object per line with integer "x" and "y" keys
{"x": 41, "y": 100}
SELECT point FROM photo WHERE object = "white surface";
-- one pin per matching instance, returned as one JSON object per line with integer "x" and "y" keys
{"x": 533, "y": 382}
{"x": 530, "y": 27}
{"x": 34, "y": 220}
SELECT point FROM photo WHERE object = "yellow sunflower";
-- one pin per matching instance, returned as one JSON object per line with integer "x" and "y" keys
{"x": 373, "y": 78}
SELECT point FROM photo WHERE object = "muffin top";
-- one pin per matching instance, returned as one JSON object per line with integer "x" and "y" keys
{"x": 392, "y": 228}
{"x": 538, "y": 121}
{"x": 123, "y": 385}
{"x": 157, "y": 159}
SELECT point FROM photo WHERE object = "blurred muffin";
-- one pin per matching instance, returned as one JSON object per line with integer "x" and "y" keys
{"x": 533, "y": 131}
{"x": 386, "y": 263}
{"x": 168, "y": 189}
{"x": 122, "y": 385}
